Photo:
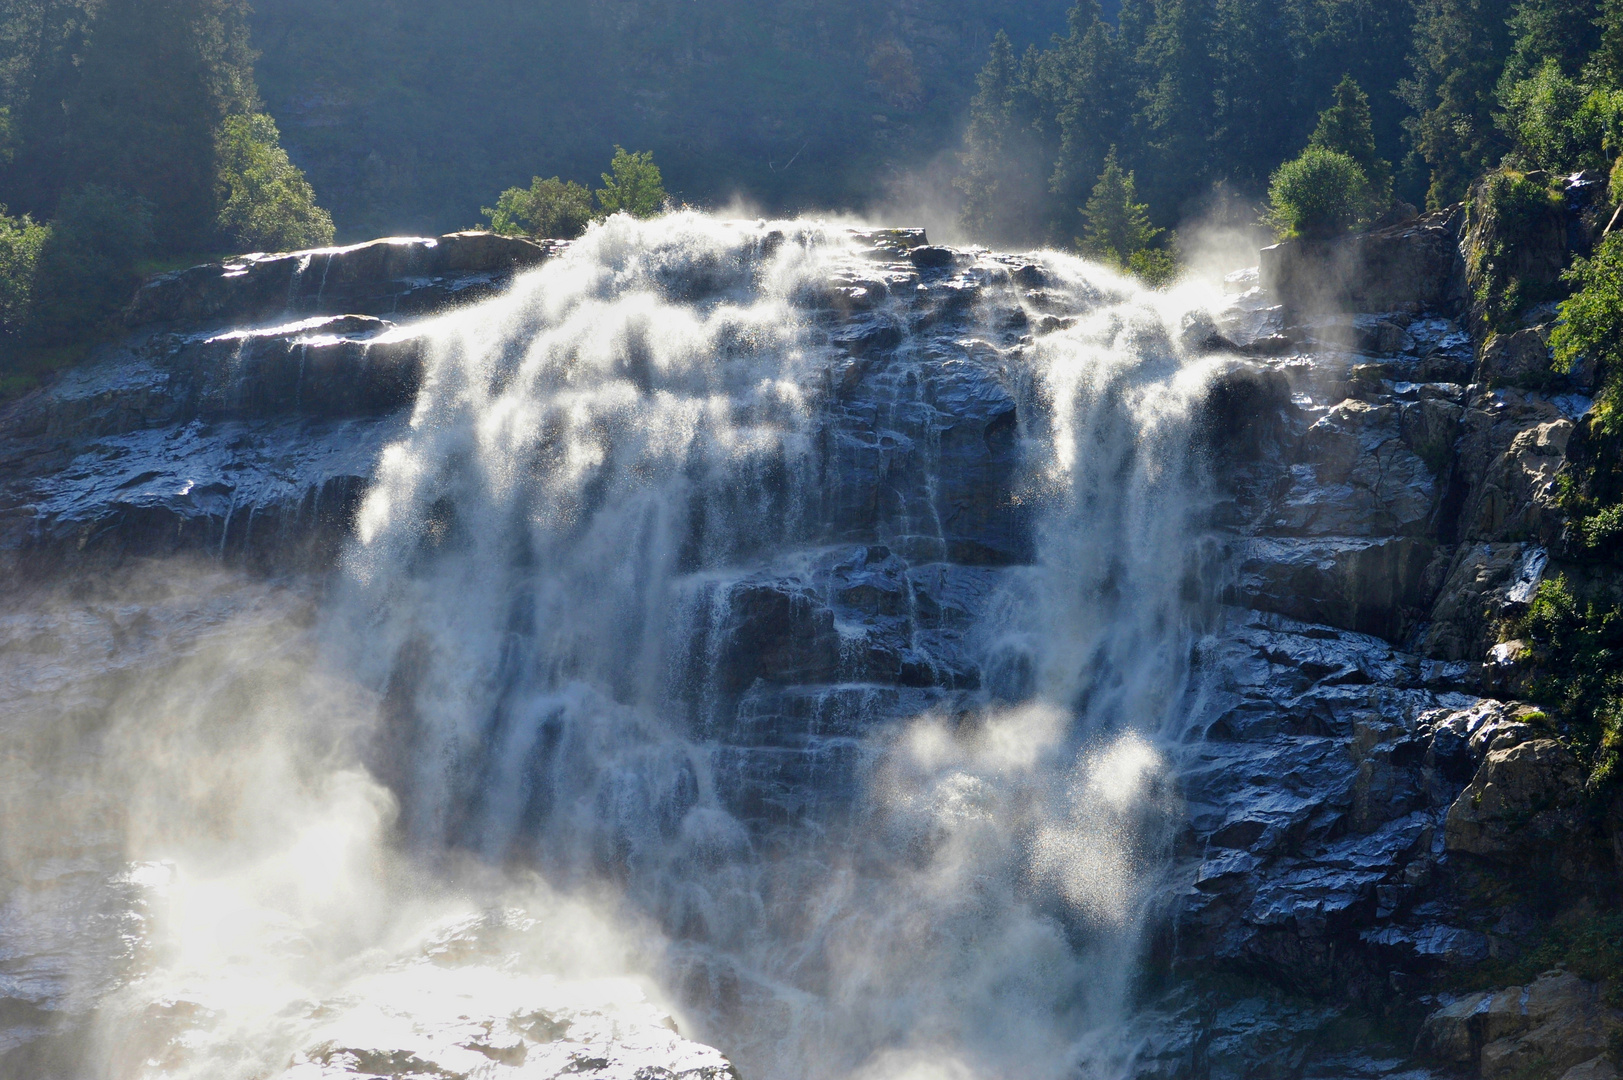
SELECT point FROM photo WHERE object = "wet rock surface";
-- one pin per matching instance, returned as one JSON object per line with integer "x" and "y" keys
{"x": 1359, "y": 772}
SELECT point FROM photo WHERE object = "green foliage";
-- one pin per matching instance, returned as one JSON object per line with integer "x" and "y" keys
{"x": 548, "y": 209}
{"x": 1565, "y": 31}
{"x": 633, "y": 185}
{"x": 1590, "y": 328}
{"x": 1202, "y": 98}
{"x": 88, "y": 263}
{"x": 265, "y": 202}
{"x": 1154, "y": 266}
{"x": 21, "y": 240}
{"x": 1585, "y": 941}
{"x": 157, "y": 79}
{"x": 1459, "y": 51}
{"x": 1346, "y": 127}
{"x": 1003, "y": 175}
{"x": 1116, "y": 226}
{"x": 1178, "y": 107}
{"x": 1510, "y": 208}
{"x": 1579, "y": 651}
{"x": 1557, "y": 123}
{"x": 1319, "y": 194}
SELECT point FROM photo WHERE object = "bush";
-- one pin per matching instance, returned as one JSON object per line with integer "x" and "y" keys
{"x": 88, "y": 263}
{"x": 1509, "y": 211}
{"x": 1579, "y": 648}
{"x": 1319, "y": 194}
{"x": 1591, "y": 326}
{"x": 266, "y": 204}
{"x": 633, "y": 185}
{"x": 547, "y": 210}
{"x": 1558, "y": 123}
{"x": 21, "y": 240}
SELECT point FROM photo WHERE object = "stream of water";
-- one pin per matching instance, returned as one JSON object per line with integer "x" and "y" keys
{"x": 658, "y": 680}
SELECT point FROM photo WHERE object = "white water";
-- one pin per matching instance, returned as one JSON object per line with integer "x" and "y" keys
{"x": 467, "y": 810}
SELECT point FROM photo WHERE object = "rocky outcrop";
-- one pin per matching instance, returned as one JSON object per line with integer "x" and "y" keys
{"x": 394, "y": 276}
{"x": 1524, "y": 808}
{"x": 1412, "y": 266}
{"x": 1556, "y": 1028}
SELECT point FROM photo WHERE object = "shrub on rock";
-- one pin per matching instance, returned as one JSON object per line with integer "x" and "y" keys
{"x": 1318, "y": 195}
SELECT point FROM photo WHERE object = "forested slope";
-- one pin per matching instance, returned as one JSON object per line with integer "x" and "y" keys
{"x": 408, "y": 113}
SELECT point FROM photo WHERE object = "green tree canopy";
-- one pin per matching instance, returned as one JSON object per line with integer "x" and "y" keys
{"x": 1116, "y": 226}
{"x": 1460, "y": 48}
{"x": 21, "y": 241}
{"x": 1346, "y": 127}
{"x": 551, "y": 209}
{"x": 632, "y": 185}
{"x": 87, "y": 263}
{"x": 158, "y": 78}
{"x": 265, "y": 202}
{"x": 1558, "y": 123}
{"x": 1317, "y": 195}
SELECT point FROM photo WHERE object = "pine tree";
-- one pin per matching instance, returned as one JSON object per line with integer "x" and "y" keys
{"x": 1116, "y": 226}
{"x": 1252, "y": 61}
{"x": 158, "y": 79}
{"x": 1460, "y": 47}
{"x": 1346, "y": 127}
{"x": 1087, "y": 70}
{"x": 1178, "y": 101}
{"x": 1565, "y": 31}
{"x": 1003, "y": 181}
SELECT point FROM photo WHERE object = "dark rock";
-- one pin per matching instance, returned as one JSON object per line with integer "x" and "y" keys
{"x": 931, "y": 258}
{"x": 1416, "y": 262}
{"x": 381, "y": 277}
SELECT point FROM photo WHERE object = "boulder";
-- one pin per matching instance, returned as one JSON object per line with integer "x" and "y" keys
{"x": 1368, "y": 585}
{"x": 1484, "y": 584}
{"x": 1556, "y": 1028}
{"x": 1519, "y": 359}
{"x": 1524, "y": 808}
{"x": 1512, "y": 443}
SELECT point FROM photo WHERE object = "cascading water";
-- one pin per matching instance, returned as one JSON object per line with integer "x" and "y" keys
{"x": 743, "y": 615}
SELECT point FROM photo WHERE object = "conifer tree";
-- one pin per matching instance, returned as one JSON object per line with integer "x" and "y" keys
{"x": 1004, "y": 175}
{"x": 1179, "y": 100}
{"x": 1116, "y": 226}
{"x": 1346, "y": 127}
{"x": 1565, "y": 31}
{"x": 1251, "y": 62}
{"x": 157, "y": 80}
{"x": 1460, "y": 47}
{"x": 1089, "y": 76}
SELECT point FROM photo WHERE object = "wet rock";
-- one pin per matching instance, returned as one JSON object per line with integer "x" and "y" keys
{"x": 1555, "y": 1024}
{"x": 930, "y": 258}
{"x": 1486, "y": 583}
{"x": 379, "y": 277}
{"x": 1415, "y": 263}
{"x": 776, "y": 631}
{"x": 1360, "y": 477}
{"x": 1511, "y": 445}
{"x": 1371, "y": 586}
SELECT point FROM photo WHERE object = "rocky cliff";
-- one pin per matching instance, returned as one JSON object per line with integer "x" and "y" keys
{"x": 1374, "y": 824}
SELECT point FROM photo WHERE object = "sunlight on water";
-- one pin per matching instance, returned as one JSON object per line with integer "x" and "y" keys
{"x": 481, "y": 806}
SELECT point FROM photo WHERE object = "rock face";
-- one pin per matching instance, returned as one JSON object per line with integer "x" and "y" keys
{"x": 1412, "y": 266}
{"x": 1557, "y": 1027}
{"x": 401, "y": 275}
{"x": 1384, "y": 501}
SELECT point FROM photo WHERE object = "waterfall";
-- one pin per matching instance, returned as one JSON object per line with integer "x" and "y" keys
{"x": 756, "y": 621}
{"x": 613, "y": 467}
